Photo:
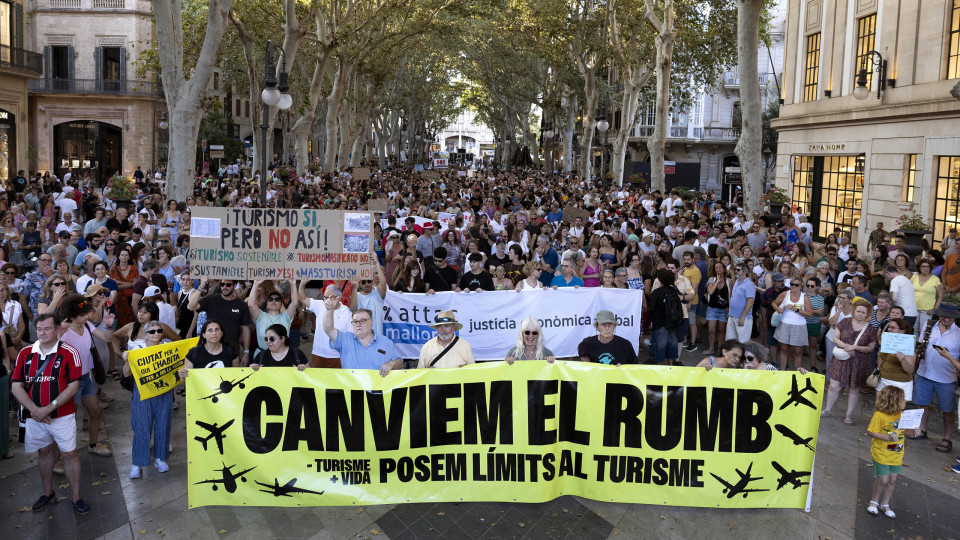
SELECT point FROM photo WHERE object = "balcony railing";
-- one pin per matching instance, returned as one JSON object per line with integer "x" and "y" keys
{"x": 731, "y": 79}
{"x": 83, "y": 4}
{"x": 721, "y": 134}
{"x": 11, "y": 57}
{"x": 96, "y": 86}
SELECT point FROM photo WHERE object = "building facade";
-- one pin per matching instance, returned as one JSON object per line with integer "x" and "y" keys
{"x": 18, "y": 65}
{"x": 90, "y": 113}
{"x": 852, "y": 158}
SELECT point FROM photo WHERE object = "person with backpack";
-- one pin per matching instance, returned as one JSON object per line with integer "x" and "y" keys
{"x": 743, "y": 293}
{"x": 667, "y": 315}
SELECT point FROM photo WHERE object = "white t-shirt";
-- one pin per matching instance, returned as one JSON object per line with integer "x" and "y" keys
{"x": 341, "y": 321}
{"x": 901, "y": 287}
{"x": 67, "y": 204}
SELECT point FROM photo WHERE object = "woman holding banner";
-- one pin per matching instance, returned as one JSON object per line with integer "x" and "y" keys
{"x": 274, "y": 311}
{"x": 153, "y": 414}
{"x": 135, "y": 331}
{"x": 529, "y": 344}
{"x": 210, "y": 351}
{"x": 279, "y": 353}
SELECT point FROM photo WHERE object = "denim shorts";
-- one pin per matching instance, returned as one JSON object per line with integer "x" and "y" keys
{"x": 924, "y": 388}
{"x": 87, "y": 387}
{"x": 716, "y": 314}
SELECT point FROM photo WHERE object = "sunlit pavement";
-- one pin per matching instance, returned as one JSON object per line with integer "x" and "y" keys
{"x": 155, "y": 505}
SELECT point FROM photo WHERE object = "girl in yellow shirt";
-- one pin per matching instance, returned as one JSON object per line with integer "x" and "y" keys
{"x": 887, "y": 448}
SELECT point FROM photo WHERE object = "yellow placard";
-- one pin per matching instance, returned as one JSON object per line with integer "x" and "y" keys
{"x": 155, "y": 369}
{"x": 528, "y": 432}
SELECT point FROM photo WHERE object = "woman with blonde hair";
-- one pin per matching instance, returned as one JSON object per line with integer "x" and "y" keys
{"x": 532, "y": 280}
{"x": 529, "y": 344}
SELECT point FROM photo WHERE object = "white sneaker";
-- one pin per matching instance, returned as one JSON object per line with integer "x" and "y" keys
{"x": 135, "y": 472}
{"x": 161, "y": 465}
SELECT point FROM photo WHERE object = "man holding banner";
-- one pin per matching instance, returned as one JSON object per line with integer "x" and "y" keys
{"x": 446, "y": 350}
{"x": 363, "y": 348}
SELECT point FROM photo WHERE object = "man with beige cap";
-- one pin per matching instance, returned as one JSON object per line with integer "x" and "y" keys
{"x": 446, "y": 350}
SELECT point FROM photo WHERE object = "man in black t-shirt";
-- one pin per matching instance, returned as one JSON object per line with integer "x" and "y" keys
{"x": 20, "y": 182}
{"x": 477, "y": 277}
{"x": 438, "y": 275}
{"x": 606, "y": 347}
{"x": 121, "y": 223}
{"x": 231, "y": 312}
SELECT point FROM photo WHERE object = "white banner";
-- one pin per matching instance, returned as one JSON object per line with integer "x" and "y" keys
{"x": 440, "y": 163}
{"x": 491, "y": 319}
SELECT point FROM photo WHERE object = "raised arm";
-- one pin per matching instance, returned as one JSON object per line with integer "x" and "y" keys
{"x": 252, "y": 299}
{"x": 194, "y": 301}
{"x": 328, "y": 329}
{"x": 294, "y": 300}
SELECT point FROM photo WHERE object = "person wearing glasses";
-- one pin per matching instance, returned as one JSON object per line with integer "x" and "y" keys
{"x": 794, "y": 307}
{"x": 150, "y": 416}
{"x": 445, "y": 350}
{"x": 278, "y": 352}
{"x": 274, "y": 313}
{"x": 730, "y": 357}
{"x": 529, "y": 345}
{"x": 324, "y": 356}
{"x": 35, "y": 281}
{"x": 606, "y": 347}
{"x": 370, "y": 296}
{"x": 51, "y": 296}
{"x": 363, "y": 348}
{"x": 755, "y": 356}
{"x": 228, "y": 310}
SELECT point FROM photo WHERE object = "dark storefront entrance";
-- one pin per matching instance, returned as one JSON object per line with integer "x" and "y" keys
{"x": 8, "y": 145}
{"x": 87, "y": 146}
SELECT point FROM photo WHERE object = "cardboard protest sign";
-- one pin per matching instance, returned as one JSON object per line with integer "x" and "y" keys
{"x": 378, "y": 205}
{"x": 155, "y": 369}
{"x": 273, "y": 243}
{"x": 530, "y": 432}
{"x": 361, "y": 173}
{"x": 571, "y": 213}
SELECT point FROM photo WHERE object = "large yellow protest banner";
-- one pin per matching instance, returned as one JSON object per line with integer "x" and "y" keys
{"x": 528, "y": 432}
{"x": 155, "y": 369}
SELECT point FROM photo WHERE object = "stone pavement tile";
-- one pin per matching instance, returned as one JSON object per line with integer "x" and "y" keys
{"x": 422, "y": 528}
{"x": 323, "y": 534}
{"x": 443, "y": 516}
{"x": 508, "y": 526}
{"x": 825, "y": 531}
{"x": 391, "y": 524}
{"x": 377, "y": 510}
{"x": 120, "y": 533}
{"x": 292, "y": 522}
{"x": 612, "y": 512}
{"x": 342, "y": 521}
{"x": 221, "y": 517}
{"x": 591, "y": 527}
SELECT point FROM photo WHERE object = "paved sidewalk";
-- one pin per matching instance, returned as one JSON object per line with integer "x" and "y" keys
{"x": 155, "y": 506}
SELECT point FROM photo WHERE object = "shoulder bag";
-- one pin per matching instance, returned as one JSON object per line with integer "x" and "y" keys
{"x": 445, "y": 351}
{"x": 98, "y": 372}
{"x": 22, "y": 413}
{"x": 841, "y": 354}
{"x": 921, "y": 350}
{"x": 874, "y": 379}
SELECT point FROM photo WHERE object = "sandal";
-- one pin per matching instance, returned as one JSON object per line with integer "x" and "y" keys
{"x": 921, "y": 437}
{"x": 825, "y": 414}
{"x": 945, "y": 446}
{"x": 873, "y": 508}
{"x": 10, "y": 455}
{"x": 848, "y": 421}
{"x": 887, "y": 511}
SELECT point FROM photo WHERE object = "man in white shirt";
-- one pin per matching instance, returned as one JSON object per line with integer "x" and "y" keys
{"x": 68, "y": 206}
{"x": 323, "y": 355}
{"x": 68, "y": 224}
{"x": 573, "y": 246}
{"x": 902, "y": 292}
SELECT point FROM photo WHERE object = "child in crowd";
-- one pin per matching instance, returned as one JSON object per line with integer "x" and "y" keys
{"x": 887, "y": 448}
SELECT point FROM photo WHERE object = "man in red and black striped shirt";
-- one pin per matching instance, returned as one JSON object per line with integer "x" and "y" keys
{"x": 45, "y": 379}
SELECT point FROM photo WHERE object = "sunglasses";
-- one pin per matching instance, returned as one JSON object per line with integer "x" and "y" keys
{"x": 226, "y": 286}
{"x": 60, "y": 284}
{"x": 104, "y": 293}
{"x": 10, "y": 272}
{"x": 271, "y": 339}
{"x": 531, "y": 333}
{"x": 749, "y": 357}
{"x": 154, "y": 332}
{"x": 366, "y": 281}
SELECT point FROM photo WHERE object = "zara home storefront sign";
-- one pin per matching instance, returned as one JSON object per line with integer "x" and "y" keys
{"x": 836, "y": 147}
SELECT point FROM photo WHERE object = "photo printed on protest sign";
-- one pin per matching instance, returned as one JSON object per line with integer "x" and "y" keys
{"x": 275, "y": 243}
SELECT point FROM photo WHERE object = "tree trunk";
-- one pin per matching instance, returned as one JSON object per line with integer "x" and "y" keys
{"x": 751, "y": 134}
{"x": 592, "y": 97}
{"x": 628, "y": 118}
{"x": 184, "y": 95}
{"x": 568, "y": 132}
{"x": 664, "y": 64}
{"x": 333, "y": 110}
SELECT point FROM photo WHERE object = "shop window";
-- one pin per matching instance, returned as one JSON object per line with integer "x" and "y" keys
{"x": 829, "y": 189}
{"x": 946, "y": 208}
{"x": 953, "y": 60}
{"x": 811, "y": 67}
{"x": 866, "y": 39}
{"x": 909, "y": 178}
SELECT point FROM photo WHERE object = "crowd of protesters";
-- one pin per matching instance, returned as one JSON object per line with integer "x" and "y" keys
{"x": 747, "y": 289}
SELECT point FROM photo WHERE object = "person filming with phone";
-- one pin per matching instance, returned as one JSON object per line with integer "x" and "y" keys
{"x": 938, "y": 363}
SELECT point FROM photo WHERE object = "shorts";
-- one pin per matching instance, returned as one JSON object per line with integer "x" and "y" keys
{"x": 702, "y": 309}
{"x": 739, "y": 333}
{"x": 924, "y": 388}
{"x": 62, "y": 431}
{"x": 813, "y": 329}
{"x": 87, "y": 388}
{"x": 692, "y": 315}
{"x": 879, "y": 469}
{"x": 716, "y": 314}
{"x": 794, "y": 335}
{"x": 907, "y": 387}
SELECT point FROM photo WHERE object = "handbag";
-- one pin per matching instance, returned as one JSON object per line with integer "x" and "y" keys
{"x": 99, "y": 373}
{"x": 841, "y": 354}
{"x": 874, "y": 378}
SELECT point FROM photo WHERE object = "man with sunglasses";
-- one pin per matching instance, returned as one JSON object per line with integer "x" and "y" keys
{"x": 323, "y": 355}
{"x": 31, "y": 242}
{"x": 232, "y": 313}
{"x": 371, "y": 300}
{"x": 33, "y": 283}
{"x": 742, "y": 296}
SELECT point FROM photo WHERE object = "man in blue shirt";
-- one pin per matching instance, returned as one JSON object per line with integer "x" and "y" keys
{"x": 362, "y": 348}
{"x": 555, "y": 215}
{"x": 742, "y": 297}
{"x": 549, "y": 259}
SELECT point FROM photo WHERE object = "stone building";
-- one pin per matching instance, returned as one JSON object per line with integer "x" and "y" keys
{"x": 852, "y": 158}
{"x": 18, "y": 64}
{"x": 90, "y": 112}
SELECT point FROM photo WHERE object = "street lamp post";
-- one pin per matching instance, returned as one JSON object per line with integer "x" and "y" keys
{"x": 274, "y": 93}
{"x": 603, "y": 125}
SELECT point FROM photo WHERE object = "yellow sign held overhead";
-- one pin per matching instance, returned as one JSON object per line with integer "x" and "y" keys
{"x": 155, "y": 369}
{"x": 528, "y": 432}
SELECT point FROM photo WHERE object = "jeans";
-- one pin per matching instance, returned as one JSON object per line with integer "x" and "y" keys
{"x": 663, "y": 344}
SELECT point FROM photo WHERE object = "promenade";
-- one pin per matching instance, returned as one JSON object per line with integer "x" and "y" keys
{"x": 155, "y": 506}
